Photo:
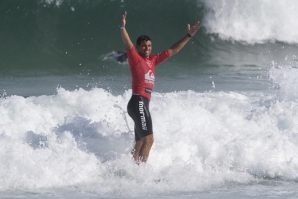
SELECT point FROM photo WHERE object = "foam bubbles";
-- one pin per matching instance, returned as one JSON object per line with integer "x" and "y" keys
{"x": 285, "y": 79}
{"x": 56, "y": 2}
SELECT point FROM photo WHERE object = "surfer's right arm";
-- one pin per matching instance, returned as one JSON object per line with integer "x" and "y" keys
{"x": 127, "y": 42}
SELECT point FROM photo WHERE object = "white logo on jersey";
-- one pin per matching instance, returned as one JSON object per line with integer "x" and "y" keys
{"x": 149, "y": 77}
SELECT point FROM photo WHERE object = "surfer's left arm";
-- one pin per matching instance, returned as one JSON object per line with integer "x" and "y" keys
{"x": 191, "y": 31}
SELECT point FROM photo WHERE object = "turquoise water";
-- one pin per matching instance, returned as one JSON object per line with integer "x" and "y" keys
{"x": 51, "y": 43}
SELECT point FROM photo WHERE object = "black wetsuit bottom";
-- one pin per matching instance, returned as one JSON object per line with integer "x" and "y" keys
{"x": 138, "y": 110}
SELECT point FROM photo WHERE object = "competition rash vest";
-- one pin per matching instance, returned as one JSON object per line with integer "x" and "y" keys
{"x": 142, "y": 71}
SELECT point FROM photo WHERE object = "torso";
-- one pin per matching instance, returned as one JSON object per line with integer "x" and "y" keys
{"x": 142, "y": 71}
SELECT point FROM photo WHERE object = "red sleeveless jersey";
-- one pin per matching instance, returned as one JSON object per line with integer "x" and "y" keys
{"x": 142, "y": 71}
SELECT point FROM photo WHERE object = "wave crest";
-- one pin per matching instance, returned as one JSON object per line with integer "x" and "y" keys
{"x": 252, "y": 22}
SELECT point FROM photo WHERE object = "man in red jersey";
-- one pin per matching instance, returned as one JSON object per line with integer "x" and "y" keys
{"x": 142, "y": 72}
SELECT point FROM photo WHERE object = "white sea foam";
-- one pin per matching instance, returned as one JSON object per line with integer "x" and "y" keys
{"x": 202, "y": 140}
{"x": 285, "y": 78}
{"x": 56, "y": 2}
{"x": 255, "y": 21}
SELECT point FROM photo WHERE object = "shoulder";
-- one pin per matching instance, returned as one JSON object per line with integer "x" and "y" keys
{"x": 158, "y": 58}
{"x": 131, "y": 51}
{"x": 132, "y": 48}
{"x": 163, "y": 55}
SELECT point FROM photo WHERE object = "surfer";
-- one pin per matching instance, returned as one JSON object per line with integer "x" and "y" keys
{"x": 142, "y": 65}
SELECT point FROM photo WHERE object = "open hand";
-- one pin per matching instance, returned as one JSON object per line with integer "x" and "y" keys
{"x": 123, "y": 21}
{"x": 192, "y": 30}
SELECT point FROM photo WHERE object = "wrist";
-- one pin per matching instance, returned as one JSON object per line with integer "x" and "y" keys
{"x": 121, "y": 27}
{"x": 189, "y": 35}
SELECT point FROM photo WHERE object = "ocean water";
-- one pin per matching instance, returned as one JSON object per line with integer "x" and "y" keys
{"x": 224, "y": 109}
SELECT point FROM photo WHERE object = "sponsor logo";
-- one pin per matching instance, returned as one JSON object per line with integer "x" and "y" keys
{"x": 142, "y": 115}
{"x": 149, "y": 77}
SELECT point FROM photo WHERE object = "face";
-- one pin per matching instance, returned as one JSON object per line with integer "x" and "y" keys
{"x": 145, "y": 48}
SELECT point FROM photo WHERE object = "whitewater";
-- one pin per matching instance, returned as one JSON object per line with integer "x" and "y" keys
{"x": 81, "y": 140}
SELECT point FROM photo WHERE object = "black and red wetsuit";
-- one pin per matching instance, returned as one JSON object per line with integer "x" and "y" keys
{"x": 143, "y": 76}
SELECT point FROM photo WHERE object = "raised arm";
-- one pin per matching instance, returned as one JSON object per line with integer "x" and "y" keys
{"x": 181, "y": 43}
{"x": 124, "y": 34}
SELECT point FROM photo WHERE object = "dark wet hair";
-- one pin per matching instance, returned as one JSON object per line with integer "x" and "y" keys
{"x": 142, "y": 38}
